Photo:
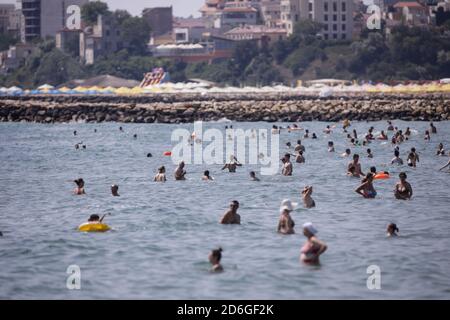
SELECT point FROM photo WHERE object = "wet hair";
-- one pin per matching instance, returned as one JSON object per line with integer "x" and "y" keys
{"x": 114, "y": 186}
{"x": 217, "y": 253}
{"x": 369, "y": 151}
{"x": 413, "y": 149}
{"x": 393, "y": 226}
{"x": 149, "y": 155}
{"x": 373, "y": 169}
{"x": 288, "y": 155}
{"x": 235, "y": 203}
{"x": 352, "y": 140}
{"x": 288, "y": 144}
{"x": 161, "y": 169}
{"x": 402, "y": 174}
{"x": 348, "y": 151}
{"x": 79, "y": 181}
{"x": 299, "y": 141}
{"x": 206, "y": 173}
{"x": 355, "y": 156}
{"x": 94, "y": 217}
{"x": 330, "y": 143}
{"x": 252, "y": 173}
{"x": 135, "y": 135}
{"x": 396, "y": 153}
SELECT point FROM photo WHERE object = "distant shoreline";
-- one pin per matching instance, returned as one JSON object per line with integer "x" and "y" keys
{"x": 186, "y": 107}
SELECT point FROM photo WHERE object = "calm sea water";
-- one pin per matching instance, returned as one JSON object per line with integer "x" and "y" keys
{"x": 163, "y": 232}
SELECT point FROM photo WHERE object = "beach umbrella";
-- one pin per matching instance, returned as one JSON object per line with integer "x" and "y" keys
{"x": 46, "y": 87}
{"x": 64, "y": 89}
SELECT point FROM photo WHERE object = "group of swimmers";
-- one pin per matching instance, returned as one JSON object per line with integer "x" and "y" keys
{"x": 313, "y": 247}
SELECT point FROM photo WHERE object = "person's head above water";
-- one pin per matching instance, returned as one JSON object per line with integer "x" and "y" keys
{"x": 181, "y": 164}
{"x": 115, "y": 190}
{"x": 215, "y": 256}
{"x": 234, "y": 205}
{"x": 392, "y": 229}
{"x": 348, "y": 151}
{"x": 373, "y": 170}
{"x": 356, "y": 157}
{"x": 309, "y": 230}
{"x": 287, "y": 156}
{"x": 402, "y": 176}
{"x": 396, "y": 153}
{"x": 94, "y": 218}
{"x": 161, "y": 169}
{"x": 330, "y": 143}
{"x": 79, "y": 182}
{"x": 252, "y": 174}
{"x": 206, "y": 173}
{"x": 369, "y": 151}
{"x": 299, "y": 141}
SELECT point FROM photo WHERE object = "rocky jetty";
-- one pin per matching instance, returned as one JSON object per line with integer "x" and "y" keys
{"x": 183, "y": 108}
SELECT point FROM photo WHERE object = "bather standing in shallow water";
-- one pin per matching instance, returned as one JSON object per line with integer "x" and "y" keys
{"x": 161, "y": 175}
{"x": 313, "y": 247}
{"x": 214, "y": 258}
{"x": 366, "y": 188}
{"x": 307, "y": 199}
{"x": 180, "y": 172}
{"x": 231, "y": 216}
{"x": 403, "y": 190}
{"x": 79, "y": 190}
{"x": 232, "y": 165}
{"x": 286, "y": 224}
{"x": 287, "y": 165}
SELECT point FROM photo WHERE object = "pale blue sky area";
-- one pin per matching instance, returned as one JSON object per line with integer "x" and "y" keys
{"x": 181, "y": 8}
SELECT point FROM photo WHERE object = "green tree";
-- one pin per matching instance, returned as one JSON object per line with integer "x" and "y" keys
{"x": 91, "y": 10}
{"x": 135, "y": 34}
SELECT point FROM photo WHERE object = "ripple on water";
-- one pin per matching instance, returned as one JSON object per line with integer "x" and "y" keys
{"x": 162, "y": 233}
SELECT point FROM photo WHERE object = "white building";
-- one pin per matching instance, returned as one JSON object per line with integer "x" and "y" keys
{"x": 335, "y": 15}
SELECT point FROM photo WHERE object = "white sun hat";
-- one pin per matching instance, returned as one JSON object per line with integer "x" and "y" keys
{"x": 287, "y": 205}
{"x": 309, "y": 226}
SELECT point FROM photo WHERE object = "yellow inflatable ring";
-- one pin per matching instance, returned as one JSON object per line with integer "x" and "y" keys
{"x": 93, "y": 227}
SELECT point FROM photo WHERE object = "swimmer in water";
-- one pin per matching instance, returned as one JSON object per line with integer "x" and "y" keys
{"x": 347, "y": 153}
{"x": 308, "y": 201}
{"x": 327, "y": 130}
{"x": 120, "y": 129}
{"x": 330, "y": 146}
{"x": 253, "y": 176}
{"x": 306, "y": 135}
{"x": 135, "y": 136}
{"x": 403, "y": 190}
{"x": 407, "y": 132}
{"x": 95, "y": 219}
{"x": 180, "y": 173}
{"x": 286, "y": 224}
{"x": 79, "y": 190}
{"x": 231, "y": 216}
{"x": 440, "y": 151}
{"x": 391, "y": 230}
{"x": 355, "y": 163}
{"x": 275, "y": 129}
{"x": 355, "y": 135}
{"x": 161, "y": 175}
{"x": 232, "y": 165}
{"x": 382, "y": 136}
{"x": 287, "y": 165}
{"x": 433, "y": 129}
{"x": 299, "y": 158}
{"x": 314, "y": 136}
{"x": 299, "y": 146}
{"x": 427, "y": 135}
{"x": 206, "y": 176}
{"x": 366, "y": 188}
{"x": 369, "y": 154}
{"x": 214, "y": 258}
{"x": 75, "y": 133}
{"x": 397, "y": 160}
{"x": 313, "y": 247}
{"x": 115, "y": 190}
{"x": 149, "y": 155}
{"x": 288, "y": 145}
{"x": 413, "y": 158}
{"x": 390, "y": 126}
